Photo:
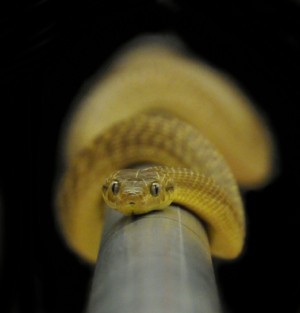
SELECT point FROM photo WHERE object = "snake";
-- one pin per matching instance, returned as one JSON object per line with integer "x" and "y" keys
{"x": 186, "y": 168}
{"x": 132, "y": 192}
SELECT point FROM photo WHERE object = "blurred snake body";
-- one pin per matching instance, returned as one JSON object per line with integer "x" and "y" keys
{"x": 159, "y": 107}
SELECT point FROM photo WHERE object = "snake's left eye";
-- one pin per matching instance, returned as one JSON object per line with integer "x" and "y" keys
{"x": 155, "y": 189}
{"x": 115, "y": 187}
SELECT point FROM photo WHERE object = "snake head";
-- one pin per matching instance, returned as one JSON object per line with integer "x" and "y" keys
{"x": 137, "y": 191}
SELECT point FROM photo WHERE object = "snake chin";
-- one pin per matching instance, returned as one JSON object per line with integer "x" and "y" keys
{"x": 134, "y": 208}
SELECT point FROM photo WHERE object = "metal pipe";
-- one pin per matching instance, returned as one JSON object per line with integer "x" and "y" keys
{"x": 155, "y": 263}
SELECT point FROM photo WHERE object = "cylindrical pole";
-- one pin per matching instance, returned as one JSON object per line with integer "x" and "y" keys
{"x": 154, "y": 263}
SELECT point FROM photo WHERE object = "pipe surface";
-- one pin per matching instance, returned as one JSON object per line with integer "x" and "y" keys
{"x": 155, "y": 263}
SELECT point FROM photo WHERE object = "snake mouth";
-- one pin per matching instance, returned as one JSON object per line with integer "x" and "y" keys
{"x": 132, "y": 203}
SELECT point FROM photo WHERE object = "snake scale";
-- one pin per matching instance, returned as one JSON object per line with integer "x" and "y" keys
{"x": 187, "y": 168}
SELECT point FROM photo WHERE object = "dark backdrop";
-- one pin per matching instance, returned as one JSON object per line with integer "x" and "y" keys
{"x": 51, "y": 48}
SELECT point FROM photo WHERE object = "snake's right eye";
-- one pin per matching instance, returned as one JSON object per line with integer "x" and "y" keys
{"x": 115, "y": 187}
{"x": 155, "y": 189}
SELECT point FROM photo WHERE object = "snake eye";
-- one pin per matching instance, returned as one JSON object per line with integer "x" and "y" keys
{"x": 115, "y": 187}
{"x": 155, "y": 189}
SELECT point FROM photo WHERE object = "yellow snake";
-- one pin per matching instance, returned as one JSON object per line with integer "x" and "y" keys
{"x": 132, "y": 191}
{"x": 187, "y": 168}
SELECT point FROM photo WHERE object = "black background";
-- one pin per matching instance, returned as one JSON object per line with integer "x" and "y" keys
{"x": 50, "y": 48}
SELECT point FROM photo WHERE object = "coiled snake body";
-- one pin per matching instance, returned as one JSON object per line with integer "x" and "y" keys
{"x": 151, "y": 104}
{"x": 205, "y": 187}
